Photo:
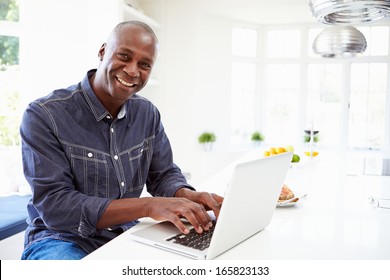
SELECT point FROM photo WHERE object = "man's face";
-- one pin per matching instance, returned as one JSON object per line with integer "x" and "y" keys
{"x": 126, "y": 62}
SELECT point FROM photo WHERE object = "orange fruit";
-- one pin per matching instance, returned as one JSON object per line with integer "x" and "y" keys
{"x": 289, "y": 148}
{"x": 280, "y": 150}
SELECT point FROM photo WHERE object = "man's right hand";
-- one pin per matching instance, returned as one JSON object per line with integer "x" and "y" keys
{"x": 174, "y": 208}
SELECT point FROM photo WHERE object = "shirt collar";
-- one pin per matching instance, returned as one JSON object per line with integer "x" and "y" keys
{"x": 97, "y": 108}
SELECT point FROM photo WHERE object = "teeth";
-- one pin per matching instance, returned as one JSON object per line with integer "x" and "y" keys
{"x": 124, "y": 82}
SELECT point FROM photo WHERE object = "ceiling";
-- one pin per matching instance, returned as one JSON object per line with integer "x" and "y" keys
{"x": 261, "y": 11}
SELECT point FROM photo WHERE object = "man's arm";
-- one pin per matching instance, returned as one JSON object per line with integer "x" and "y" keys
{"x": 57, "y": 202}
{"x": 187, "y": 204}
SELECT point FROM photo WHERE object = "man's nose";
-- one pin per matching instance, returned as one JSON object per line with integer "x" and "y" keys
{"x": 131, "y": 69}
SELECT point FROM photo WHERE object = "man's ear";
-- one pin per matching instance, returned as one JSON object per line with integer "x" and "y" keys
{"x": 102, "y": 51}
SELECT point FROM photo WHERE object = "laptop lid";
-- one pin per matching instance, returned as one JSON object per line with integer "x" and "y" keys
{"x": 248, "y": 207}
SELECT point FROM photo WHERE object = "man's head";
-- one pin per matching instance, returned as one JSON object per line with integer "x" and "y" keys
{"x": 126, "y": 61}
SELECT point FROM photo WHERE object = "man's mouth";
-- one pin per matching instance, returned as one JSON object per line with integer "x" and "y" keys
{"x": 123, "y": 82}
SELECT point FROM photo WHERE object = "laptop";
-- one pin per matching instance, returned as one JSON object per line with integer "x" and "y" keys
{"x": 249, "y": 203}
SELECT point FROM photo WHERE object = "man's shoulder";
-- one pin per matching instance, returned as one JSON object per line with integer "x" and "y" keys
{"x": 138, "y": 98}
{"x": 58, "y": 95}
{"x": 141, "y": 101}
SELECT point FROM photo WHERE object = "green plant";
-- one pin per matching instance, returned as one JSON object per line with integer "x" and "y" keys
{"x": 257, "y": 136}
{"x": 207, "y": 137}
{"x": 306, "y": 139}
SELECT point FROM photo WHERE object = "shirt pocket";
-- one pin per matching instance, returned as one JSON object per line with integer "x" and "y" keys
{"x": 139, "y": 159}
{"x": 91, "y": 171}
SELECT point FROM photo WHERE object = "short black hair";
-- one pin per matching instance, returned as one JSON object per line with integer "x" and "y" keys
{"x": 141, "y": 24}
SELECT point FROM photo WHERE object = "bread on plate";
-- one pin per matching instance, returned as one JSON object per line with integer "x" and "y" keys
{"x": 286, "y": 193}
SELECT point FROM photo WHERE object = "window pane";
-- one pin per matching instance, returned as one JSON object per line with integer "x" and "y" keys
{"x": 282, "y": 103}
{"x": 283, "y": 43}
{"x": 9, "y": 90}
{"x": 9, "y": 10}
{"x": 9, "y": 105}
{"x": 377, "y": 38}
{"x": 243, "y": 101}
{"x": 244, "y": 42}
{"x": 9, "y": 51}
{"x": 323, "y": 109}
{"x": 367, "y": 105}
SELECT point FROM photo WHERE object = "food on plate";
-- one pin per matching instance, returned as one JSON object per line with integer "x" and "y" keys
{"x": 286, "y": 193}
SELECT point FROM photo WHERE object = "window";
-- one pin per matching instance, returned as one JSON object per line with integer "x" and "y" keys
{"x": 367, "y": 105}
{"x": 286, "y": 88}
{"x": 243, "y": 107}
{"x": 378, "y": 40}
{"x": 244, "y": 42}
{"x": 283, "y": 43}
{"x": 324, "y": 97}
{"x": 244, "y": 73}
{"x": 9, "y": 73}
{"x": 281, "y": 97}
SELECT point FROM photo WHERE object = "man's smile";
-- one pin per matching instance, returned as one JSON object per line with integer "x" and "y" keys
{"x": 123, "y": 82}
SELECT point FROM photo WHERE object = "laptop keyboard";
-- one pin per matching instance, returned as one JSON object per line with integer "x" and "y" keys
{"x": 193, "y": 239}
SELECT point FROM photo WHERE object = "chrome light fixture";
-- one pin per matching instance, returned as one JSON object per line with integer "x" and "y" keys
{"x": 339, "y": 42}
{"x": 349, "y": 11}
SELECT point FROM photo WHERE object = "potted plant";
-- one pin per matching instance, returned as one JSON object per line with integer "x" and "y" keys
{"x": 257, "y": 137}
{"x": 207, "y": 139}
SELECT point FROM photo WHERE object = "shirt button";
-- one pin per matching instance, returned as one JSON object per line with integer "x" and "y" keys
{"x": 112, "y": 130}
{"x": 108, "y": 117}
{"x": 116, "y": 157}
{"x": 90, "y": 155}
{"x": 122, "y": 184}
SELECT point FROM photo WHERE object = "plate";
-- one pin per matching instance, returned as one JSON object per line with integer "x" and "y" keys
{"x": 288, "y": 204}
{"x": 292, "y": 203}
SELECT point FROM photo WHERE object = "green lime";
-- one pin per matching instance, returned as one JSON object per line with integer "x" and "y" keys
{"x": 295, "y": 158}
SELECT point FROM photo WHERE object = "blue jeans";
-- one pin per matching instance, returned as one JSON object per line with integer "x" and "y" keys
{"x": 53, "y": 249}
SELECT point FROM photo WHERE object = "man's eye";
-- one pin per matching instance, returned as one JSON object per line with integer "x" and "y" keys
{"x": 123, "y": 56}
{"x": 145, "y": 65}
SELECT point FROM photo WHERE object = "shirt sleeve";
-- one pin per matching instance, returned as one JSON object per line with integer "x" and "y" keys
{"x": 164, "y": 177}
{"x": 56, "y": 201}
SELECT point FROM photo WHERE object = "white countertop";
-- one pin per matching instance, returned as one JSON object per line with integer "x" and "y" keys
{"x": 335, "y": 221}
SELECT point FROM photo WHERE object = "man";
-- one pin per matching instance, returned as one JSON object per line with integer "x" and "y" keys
{"x": 88, "y": 151}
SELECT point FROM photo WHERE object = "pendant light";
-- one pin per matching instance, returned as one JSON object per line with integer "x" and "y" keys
{"x": 339, "y": 42}
{"x": 349, "y": 11}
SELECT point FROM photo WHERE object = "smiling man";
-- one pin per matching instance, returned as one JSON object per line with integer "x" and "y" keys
{"x": 89, "y": 150}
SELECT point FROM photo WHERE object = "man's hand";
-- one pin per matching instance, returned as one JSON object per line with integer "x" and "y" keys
{"x": 187, "y": 204}
{"x": 210, "y": 201}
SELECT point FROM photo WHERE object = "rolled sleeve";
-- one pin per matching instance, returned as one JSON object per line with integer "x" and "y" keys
{"x": 88, "y": 217}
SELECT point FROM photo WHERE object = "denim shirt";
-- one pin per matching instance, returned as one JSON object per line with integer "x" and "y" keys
{"x": 77, "y": 159}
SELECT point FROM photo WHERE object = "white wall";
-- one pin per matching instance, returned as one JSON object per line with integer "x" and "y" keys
{"x": 62, "y": 39}
{"x": 197, "y": 65}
